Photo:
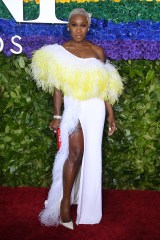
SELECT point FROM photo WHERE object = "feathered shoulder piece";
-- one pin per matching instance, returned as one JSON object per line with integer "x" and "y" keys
{"x": 80, "y": 78}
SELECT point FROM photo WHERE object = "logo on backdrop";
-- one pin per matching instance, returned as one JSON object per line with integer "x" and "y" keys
{"x": 46, "y": 15}
{"x": 46, "y": 12}
{"x": 14, "y": 42}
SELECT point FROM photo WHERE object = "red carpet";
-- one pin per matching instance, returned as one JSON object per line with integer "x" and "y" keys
{"x": 127, "y": 215}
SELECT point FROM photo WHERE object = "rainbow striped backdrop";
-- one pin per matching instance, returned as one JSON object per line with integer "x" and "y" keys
{"x": 125, "y": 29}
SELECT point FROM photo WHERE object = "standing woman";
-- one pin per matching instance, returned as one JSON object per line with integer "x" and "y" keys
{"x": 78, "y": 75}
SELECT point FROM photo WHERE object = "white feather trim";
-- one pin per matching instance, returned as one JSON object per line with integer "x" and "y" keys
{"x": 50, "y": 214}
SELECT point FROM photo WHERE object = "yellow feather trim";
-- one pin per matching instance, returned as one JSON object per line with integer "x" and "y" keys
{"x": 53, "y": 66}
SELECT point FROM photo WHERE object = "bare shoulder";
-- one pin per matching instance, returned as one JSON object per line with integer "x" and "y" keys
{"x": 99, "y": 52}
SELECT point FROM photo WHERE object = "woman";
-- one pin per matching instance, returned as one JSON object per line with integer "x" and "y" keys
{"x": 78, "y": 71}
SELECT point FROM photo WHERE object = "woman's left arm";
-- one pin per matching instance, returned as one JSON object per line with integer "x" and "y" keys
{"x": 110, "y": 117}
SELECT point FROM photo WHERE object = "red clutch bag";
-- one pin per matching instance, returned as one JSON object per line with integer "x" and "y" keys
{"x": 59, "y": 138}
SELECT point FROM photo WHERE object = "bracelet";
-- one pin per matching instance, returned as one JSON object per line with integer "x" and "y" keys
{"x": 57, "y": 117}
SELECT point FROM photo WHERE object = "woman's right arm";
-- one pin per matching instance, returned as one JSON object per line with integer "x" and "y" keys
{"x": 57, "y": 103}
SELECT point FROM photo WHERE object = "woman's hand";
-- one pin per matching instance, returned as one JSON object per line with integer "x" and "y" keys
{"x": 112, "y": 125}
{"x": 111, "y": 120}
{"x": 54, "y": 124}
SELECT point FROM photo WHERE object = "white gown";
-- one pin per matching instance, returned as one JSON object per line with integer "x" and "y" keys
{"x": 87, "y": 190}
{"x": 86, "y": 83}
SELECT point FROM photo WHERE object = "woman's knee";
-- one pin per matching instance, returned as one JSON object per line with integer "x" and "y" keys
{"x": 75, "y": 156}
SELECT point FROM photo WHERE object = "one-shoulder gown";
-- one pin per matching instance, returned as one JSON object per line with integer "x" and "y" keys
{"x": 86, "y": 84}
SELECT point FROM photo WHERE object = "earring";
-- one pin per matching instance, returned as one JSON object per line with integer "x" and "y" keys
{"x": 67, "y": 28}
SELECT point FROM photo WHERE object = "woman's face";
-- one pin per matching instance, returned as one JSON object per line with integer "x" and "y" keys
{"x": 78, "y": 27}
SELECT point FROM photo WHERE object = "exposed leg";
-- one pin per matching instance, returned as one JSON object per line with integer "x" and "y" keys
{"x": 70, "y": 170}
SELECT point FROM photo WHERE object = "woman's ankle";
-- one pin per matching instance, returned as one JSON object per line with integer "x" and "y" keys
{"x": 65, "y": 211}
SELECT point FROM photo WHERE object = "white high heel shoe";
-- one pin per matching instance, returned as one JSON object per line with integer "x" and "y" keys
{"x": 65, "y": 224}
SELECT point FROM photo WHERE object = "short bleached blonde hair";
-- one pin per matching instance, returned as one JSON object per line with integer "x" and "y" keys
{"x": 80, "y": 11}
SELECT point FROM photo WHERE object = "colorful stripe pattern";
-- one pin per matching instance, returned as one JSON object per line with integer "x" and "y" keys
{"x": 133, "y": 39}
{"x": 81, "y": 1}
{"x": 124, "y": 11}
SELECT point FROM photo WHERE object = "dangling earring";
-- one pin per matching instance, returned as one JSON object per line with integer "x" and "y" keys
{"x": 67, "y": 28}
